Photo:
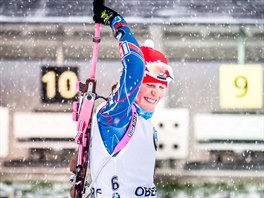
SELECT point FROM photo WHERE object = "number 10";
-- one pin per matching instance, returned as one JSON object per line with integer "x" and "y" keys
{"x": 59, "y": 84}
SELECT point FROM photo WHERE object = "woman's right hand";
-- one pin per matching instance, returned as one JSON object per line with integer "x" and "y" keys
{"x": 103, "y": 14}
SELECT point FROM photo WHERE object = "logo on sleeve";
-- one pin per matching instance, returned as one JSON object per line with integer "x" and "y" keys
{"x": 123, "y": 49}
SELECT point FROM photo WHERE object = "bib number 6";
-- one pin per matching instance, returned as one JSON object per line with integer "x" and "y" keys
{"x": 114, "y": 182}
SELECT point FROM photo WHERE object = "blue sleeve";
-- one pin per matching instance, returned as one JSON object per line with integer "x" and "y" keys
{"x": 114, "y": 117}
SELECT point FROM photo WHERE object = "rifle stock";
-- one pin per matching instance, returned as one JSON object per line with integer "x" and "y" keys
{"x": 83, "y": 113}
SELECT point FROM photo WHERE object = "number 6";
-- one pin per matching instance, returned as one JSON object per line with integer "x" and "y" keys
{"x": 115, "y": 184}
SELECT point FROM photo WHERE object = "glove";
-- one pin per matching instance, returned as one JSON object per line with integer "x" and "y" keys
{"x": 103, "y": 14}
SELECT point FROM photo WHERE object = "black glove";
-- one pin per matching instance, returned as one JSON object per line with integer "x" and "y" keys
{"x": 103, "y": 14}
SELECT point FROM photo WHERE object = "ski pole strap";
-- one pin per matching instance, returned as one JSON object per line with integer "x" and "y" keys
{"x": 129, "y": 133}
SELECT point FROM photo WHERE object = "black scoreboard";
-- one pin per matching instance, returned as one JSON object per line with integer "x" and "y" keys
{"x": 58, "y": 84}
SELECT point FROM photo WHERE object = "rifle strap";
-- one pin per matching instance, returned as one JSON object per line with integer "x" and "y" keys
{"x": 123, "y": 142}
{"x": 129, "y": 133}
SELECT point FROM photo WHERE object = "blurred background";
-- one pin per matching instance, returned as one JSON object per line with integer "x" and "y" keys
{"x": 211, "y": 124}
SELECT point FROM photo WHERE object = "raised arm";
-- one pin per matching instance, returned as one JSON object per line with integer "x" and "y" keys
{"x": 114, "y": 117}
{"x": 119, "y": 103}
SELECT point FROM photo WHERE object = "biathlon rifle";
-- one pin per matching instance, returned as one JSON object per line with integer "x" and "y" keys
{"x": 82, "y": 114}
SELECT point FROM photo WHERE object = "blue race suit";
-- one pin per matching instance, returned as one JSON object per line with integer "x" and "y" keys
{"x": 115, "y": 116}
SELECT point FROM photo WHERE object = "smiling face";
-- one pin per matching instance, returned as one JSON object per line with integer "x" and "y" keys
{"x": 149, "y": 95}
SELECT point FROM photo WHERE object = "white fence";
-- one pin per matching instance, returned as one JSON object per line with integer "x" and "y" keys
{"x": 54, "y": 127}
{"x": 236, "y": 132}
{"x": 4, "y": 132}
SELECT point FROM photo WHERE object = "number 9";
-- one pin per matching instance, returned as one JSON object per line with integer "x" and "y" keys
{"x": 241, "y": 83}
